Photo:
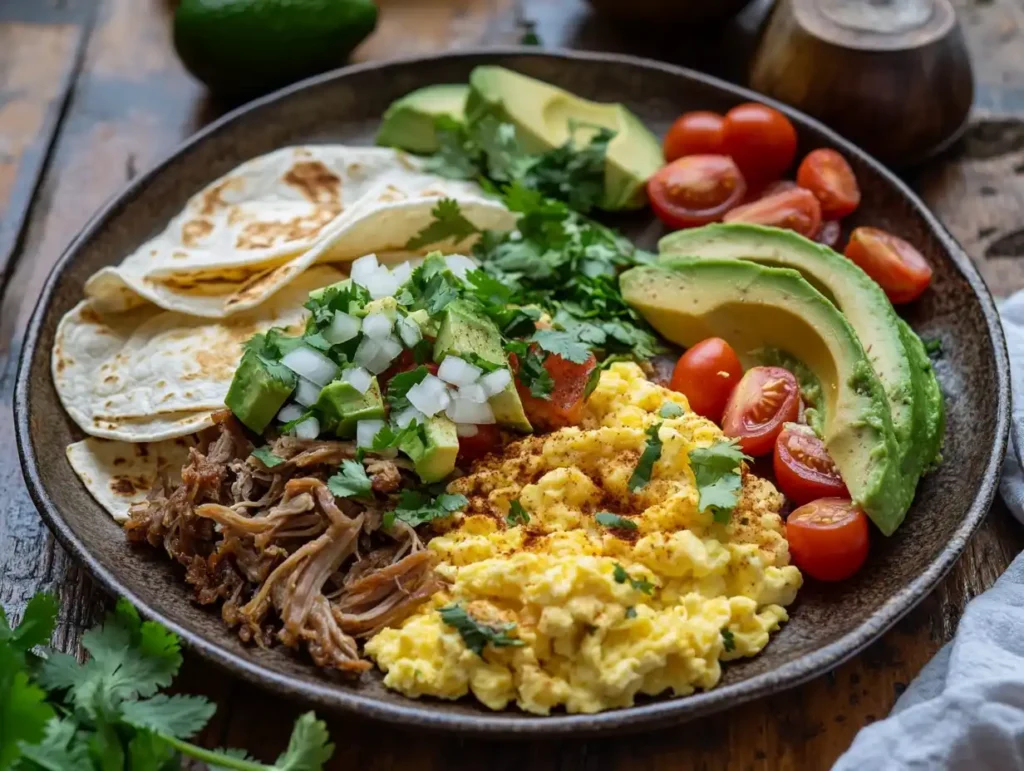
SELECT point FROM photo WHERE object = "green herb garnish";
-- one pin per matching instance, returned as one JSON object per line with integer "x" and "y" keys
{"x": 718, "y": 475}
{"x": 630, "y": 612}
{"x": 641, "y": 585}
{"x": 562, "y": 343}
{"x": 607, "y": 519}
{"x": 351, "y": 481}
{"x": 534, "y": 375}
{"x": 645, "y": 466}
{"x": 933, "y": 347}
{"x": 449, "y": 222}
{"x": 266, "y": 456}
{"x": 517, "y": 515}
{"x": 414, "y": 508}
{"x": 477, "y": 634}
{"x": 728, "y": 640}
{"x": 399, "y": 385}
{"x": 670, "y": 410}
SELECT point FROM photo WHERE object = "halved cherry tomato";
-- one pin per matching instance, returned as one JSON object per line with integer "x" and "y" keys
{"x": 795, "y": 209}
{"x": 778, "y": 186}
{"x": 764, "y": 399}
{"x": 829, "y": 233}
{"x": 761, "y": 140}
{"x": 706, "y": 375}
{"x": 827, "y": 174}
{"x": 828, "y": 539}
{"x": 897, "y": 266}
{"x": 486, "y": 439}
{"x": 694, "y": 133}
{"x": 564, "y": 407}
{"x": 804, "y": 470}
{"x": 695, "y": 190}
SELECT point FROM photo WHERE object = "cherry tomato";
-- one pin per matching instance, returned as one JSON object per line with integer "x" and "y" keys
{"x": 828, "y": 539}
{"x": 804, "y": 470}
{"x": 471, "y": 448}
{"x": 706, "y": 375}
{"x": 795, "y": 209}
{"x": 764, "y": 399}
{"x": 761, "y": 140}
{"x": 694, "y": 133}
{"x": 564, "y": 407}
{"x": 778, "y": 186}
{"x": 829, "y": 233}
{"x": 897, "y": 266}
{"x": 695, "y": 190}
{"x": 827, "y": 174}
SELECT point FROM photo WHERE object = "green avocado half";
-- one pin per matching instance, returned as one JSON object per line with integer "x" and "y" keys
{"x": 754, "y": 307}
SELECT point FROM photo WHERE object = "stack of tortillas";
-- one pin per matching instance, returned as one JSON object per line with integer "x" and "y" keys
{"x": 148, "y": 356}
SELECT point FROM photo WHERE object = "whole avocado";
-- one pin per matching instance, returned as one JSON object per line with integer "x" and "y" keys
{"x": 248, "y": 47}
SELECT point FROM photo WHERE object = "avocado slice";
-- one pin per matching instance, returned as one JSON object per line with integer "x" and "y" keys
{"x": 463, "y": 332}
{"x": 409, "y": 122}
{"x": 918, "y": 416}
{"x": 340, "y": 406}
{"x": 750, "y": 306}
{"x": 258, "y": 391}
{"x": 541, "y": 113}
{"x": 433, "y": 450}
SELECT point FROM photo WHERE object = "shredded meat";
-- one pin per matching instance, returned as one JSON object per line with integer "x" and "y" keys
{"x": 287, "y": 560}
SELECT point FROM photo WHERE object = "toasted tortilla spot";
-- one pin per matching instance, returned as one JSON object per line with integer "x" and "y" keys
{"x": 122, "y": 486}
{"x": 391, "y": 193}
{"x": 90, "y": 316}
{"x": 211, "y": 200}
{"x": 60, "y": 365}
{"x": 119, "y": 461}
{"x": 110, "y": 378}
{"x": 403, "y": 159}
{"x": 194, "y": 231}
{"x": 236, "y": 216}
{"x": 315, "y": 181}
{"x": 141, "y": 449}
{"x": 265, "y": 235}
{"x": 179, "y": 255}
{"x": 302, "y": 152}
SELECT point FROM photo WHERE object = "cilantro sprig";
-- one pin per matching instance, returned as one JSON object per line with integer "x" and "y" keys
{"x": 718, "y": 475}
{"x": 351, "y": 481}
{"x": 640, "y": 584}
{"x": 107, "y": 713}
{"x": 267, "y": 457}
{"x": 517, "y": 515}
{"x": 477, "y": 634}
{"x": 728, "y": 640}
{"x": 645, "y": 466}
{"x": 415, "y": 508}
{"x": 449, "y": 223}
{"x": 614, "y": 521}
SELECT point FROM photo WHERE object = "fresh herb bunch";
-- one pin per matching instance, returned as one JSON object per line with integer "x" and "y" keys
{"x": 719, "y": 475}
{"x": 107, "y": 714}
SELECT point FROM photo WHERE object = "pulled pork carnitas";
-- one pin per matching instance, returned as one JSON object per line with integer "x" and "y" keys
{"x": 286, "y": 557}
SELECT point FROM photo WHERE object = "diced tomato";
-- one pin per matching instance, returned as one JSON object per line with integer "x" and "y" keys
{"x": 706, "y": 375}
{"x": 829, "y": 233}
{"x": 804, "y": 470}
{"x": 694, "y": 133}
{"x": 898, "y": 267}
{"x": 827, "y": 174}
{"x": 764, "y": 399}
{"x": 471, "y": 448}
{"x": 761, "y": 140}
{"x": 405, "y": 362}
{"x": 796, "y": 209}
{"x": 828, "y": 539}
{"x": 695, "y": 190}
{"x": 564, "y": 407}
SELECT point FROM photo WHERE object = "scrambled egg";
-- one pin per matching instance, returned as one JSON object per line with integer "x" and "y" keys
{"x": 592, "y": 640}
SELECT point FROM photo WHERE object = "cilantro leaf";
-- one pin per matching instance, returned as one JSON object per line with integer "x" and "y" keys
{"x": 593, "y": 381}
{"x": 391, "y": 437}
{"x": 933, "y": 347}
{"x": 641, "y": 585}
{"x": 449, "y": 222}
{"x": 267, "y": 457}
{"x": 308, "y": 748}
{"x": 607, "y": 519}
{"x": 178, "y": 716}
{"x": 534, "y": 375}
{"x": 645, "y": 466}
{"x": 716, "y": 470}
{"x": 476, "y": 634}
{"x": 414, "y": 508}
{"x": 565, "y": 344}
{"x": 630, "y": 612}
{"x": 400, "y": 384}
{"x": 306, "y": 413}
{"x": 571, "y": 173}
{"x": 670, "y": 410}
{"x": 24, "y": 713}
{"x": 728, "y": 640}
{"x": 60, "y": 749}
{"x": 517, "y": 515}
{"x": 36, "y": 627}
{"x": 456, "y": 155}
{"x": 351, "y": 481}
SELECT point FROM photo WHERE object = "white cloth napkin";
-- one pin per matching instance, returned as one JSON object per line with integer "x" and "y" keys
{"x": 965, "y": 710}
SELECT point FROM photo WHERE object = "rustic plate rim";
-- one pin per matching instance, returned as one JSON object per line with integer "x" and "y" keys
{"x": 422, "y": 714}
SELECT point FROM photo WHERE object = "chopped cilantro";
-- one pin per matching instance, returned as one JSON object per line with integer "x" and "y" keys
{"x": 517, "y": 515}
{"x": 267, "y": 457}
{"x": 670, "y": 410}
{"x": 641, "y": 585}
{"x": 476, "y": 634}
{"x": 449, "y": 222}
{"x": 728, "y": 640}
{"x": 933, "y": 347}
{"x": 717, "y": 472}
{"x": 534, "y": 375}
{"x": 400, "y": 384}
{"x": 351, "y": 481}
{"x": 593, "y": 380}
{"x": 607, "y": 519}
{"x": 317, "y": 340}
{"x": 391, "y": 437}
{"x": 562, "y": 343}
{"x": 645, "y": 466}
{"x": 307, "y": 413}
{"x": 414, "y": 508}
{"x": 630, "y": 612}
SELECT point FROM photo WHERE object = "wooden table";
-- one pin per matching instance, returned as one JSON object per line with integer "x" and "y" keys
{"x": 91, "y": 92}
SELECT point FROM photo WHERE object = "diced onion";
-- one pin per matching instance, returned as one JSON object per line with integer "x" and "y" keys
{"x": 429, "y": 396}
{"x": 363, "y": 268}
{"x": 409, "y": 331}
{"x": 458, "y": 371}
{"x": 310, "y": 364}
{"x": 408, "y": 415}
{"x": 464, "y": 411}
{"x": 402, "y": 272}
{"x": 366, "y": 430}
{"x": 342, "y": 328}
{"x": 460, "y": 265}
{"x": 308, "y": 429}
{"x": 466, "y": 429}
{"x": 377, "y": 325}
{"x": 474, "y": 392}
{"x": 306, "y": 392}
{"x": 358, "y": 378}
{"x": 496, "y": 382}
{"x": 290, "y": 412}
{"x": 376, "y": 355}
{"x": 381, "y": 284}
